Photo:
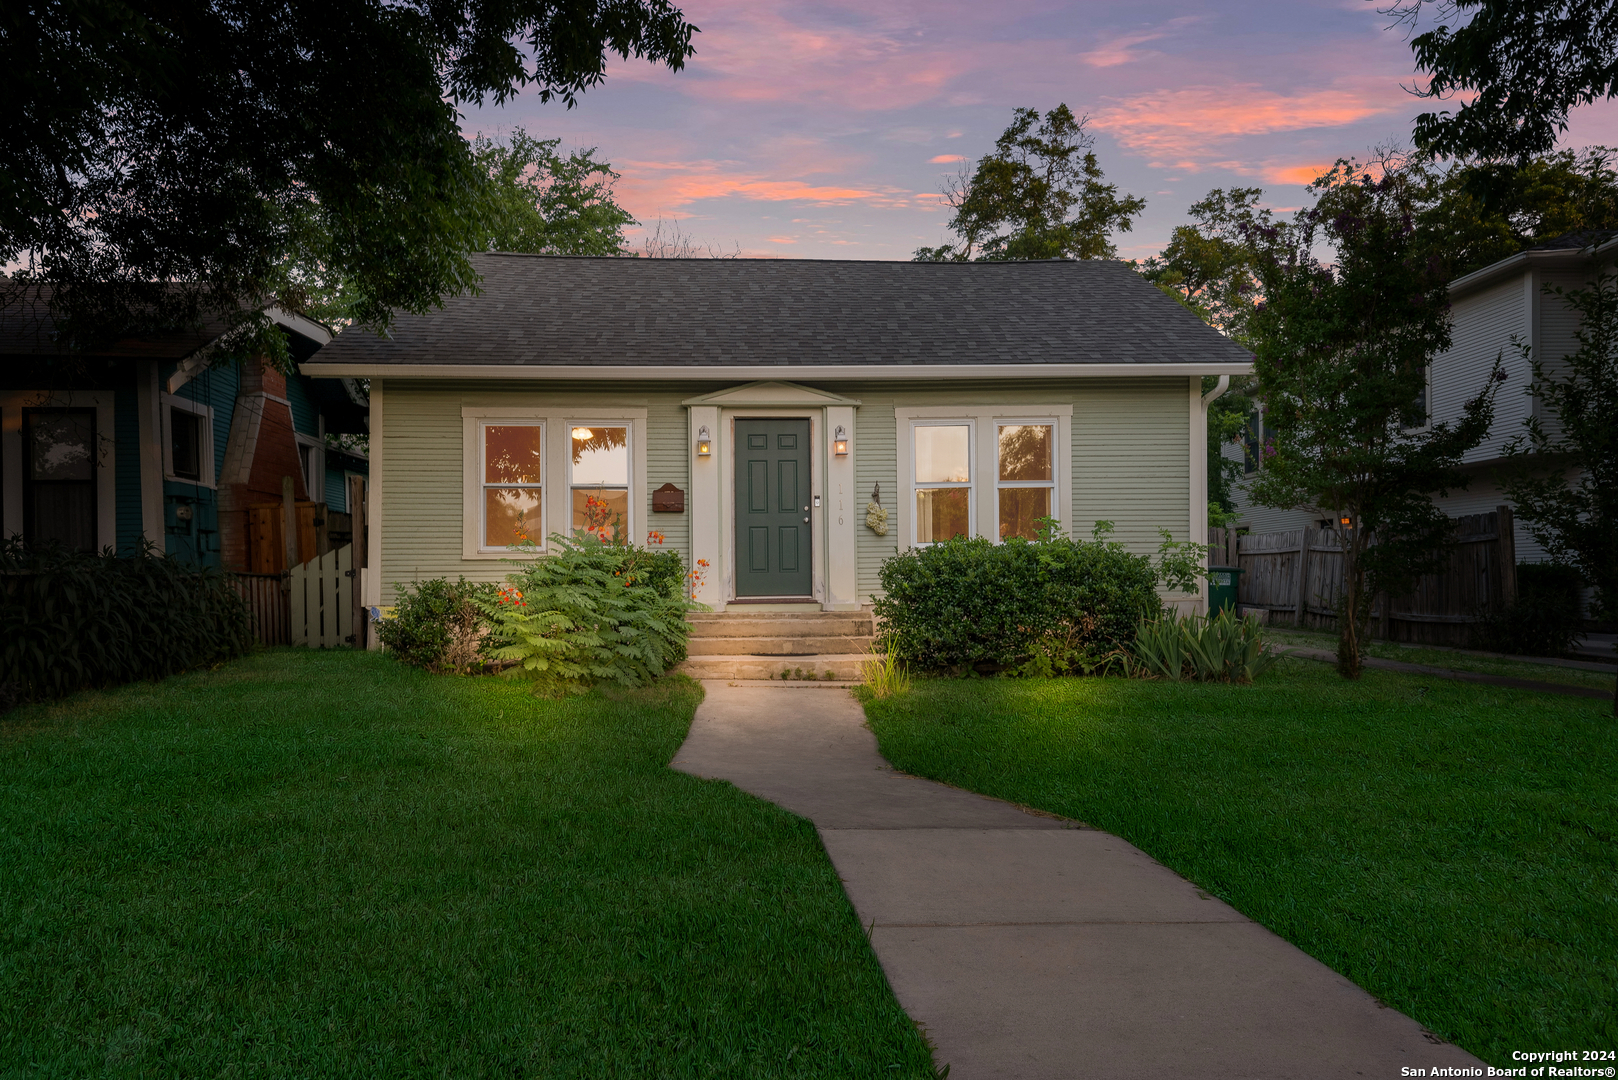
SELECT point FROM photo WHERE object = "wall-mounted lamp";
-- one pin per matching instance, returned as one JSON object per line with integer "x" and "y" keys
{"x": 839, "y": 442}
{"x": 704, "y": 442}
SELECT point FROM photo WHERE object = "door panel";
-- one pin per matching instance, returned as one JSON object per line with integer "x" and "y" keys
{"x": 773, "y": 498}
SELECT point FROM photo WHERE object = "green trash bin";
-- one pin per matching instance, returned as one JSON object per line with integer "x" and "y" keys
{"x": 1222, "y": 589}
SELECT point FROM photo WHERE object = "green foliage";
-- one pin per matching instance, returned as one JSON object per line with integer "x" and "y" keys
{"x": 437, "y": 625}
{"x": 883, "y": 674}
{"x": 1563, "y": 476}
{"x": 187, "y": 163}
{"x": 69, "y": 621}
{"x": 1211, "y": 265}
{"x": 1543, "y": 618}
{"x": 1342, "y": 351}
{"x": 1049, "y": 607}
{"x": 592, "y": 612}
{"x": 1523, "y": 63}
{"x": 1221, "y": 649}
{"x": 542, "y": 203}
{"x": 1040, "y": 195}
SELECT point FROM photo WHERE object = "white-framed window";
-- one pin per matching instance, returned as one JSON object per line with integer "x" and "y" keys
{"x": 1421, "y": 411}
{"x": 531, "y": 471}
{"x": 511, "y": 468}
{"x": 312, "y": 463}
{"x": 1025, "y": 476}
{"x": 187, "y": 441}
{"x": 942, "y": 463}
{"x": 598, "y": 478}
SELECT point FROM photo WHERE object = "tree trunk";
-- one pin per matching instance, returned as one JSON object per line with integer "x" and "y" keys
{"x": 1352, "y": 615}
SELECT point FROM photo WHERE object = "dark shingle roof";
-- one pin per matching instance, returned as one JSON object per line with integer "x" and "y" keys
{"x": 542, "y": 310}
{"x": 1577, "y": 240}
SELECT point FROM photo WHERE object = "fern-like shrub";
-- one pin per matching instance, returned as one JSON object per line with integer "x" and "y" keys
{"x": 438, "y": 625}
{"x": 71, "y": 621}
{"x": 1054, "y": 606}
{"x": 592, "y": 612}
{"x": 1221, "y": 649}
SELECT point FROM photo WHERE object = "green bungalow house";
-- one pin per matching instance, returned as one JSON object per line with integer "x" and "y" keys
{"x": 751, "y": 412}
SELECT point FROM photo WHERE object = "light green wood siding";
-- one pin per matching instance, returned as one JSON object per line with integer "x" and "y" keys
{"x": 1130, "y": 457}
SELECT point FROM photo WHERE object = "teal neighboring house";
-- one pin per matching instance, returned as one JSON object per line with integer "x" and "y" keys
{"x": 149, "y": 440}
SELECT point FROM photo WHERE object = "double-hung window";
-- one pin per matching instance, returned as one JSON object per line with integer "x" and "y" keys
{"x": 598, "y": 477}
{"x": 1025, "y": 477}
{"x": 187, "y": 441}
{"x": 513, "y": 459}
{"x": 943, "y": 463}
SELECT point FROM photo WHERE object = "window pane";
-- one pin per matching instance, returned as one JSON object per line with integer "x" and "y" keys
{"x": 600, "y": 455}
{"x": 511, "y": 516}
{"x": 65, "y": 512}
{"x": 1025, "y": 452}
{"x": 513, "y": 454}
{"x": 1021, "y": 509}
{"x": 185, "y": 430}
{"x": 62, "y": 445}
{"x": 941, "y": 456}
{"x": 602, "y": 511}
{"x": 940, "y": 514}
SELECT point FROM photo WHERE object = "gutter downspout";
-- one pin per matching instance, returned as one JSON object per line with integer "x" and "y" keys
{"x": 1199, "y": 451}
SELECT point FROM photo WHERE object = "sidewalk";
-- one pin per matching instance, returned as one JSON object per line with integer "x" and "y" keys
{"x": 1028, "y": 946}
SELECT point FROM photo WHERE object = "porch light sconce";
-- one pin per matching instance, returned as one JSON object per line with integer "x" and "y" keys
{"x": 839, "y": 442}
{"x": 704, "y": 442}
{"x": 1348, "y": 522}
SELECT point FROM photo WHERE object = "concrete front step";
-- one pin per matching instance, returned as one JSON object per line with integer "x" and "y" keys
{"x": 815, "y": 624}
{"x": 776, "y": 646}
{"x": 843, "y": 668}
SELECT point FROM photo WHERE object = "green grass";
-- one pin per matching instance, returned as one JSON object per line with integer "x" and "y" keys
{"x": 1452, "y": 848}
{"x": 328, "y": 864}
{"x": 1449, "y": 658}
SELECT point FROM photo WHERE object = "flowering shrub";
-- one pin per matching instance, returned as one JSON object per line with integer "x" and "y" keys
{"x": 592, "y": 611}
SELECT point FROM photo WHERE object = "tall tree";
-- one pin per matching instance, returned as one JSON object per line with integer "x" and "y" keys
{"x": 1563, "y": 474}
{"x": 1211, "y": 266}
{"x": 1342, "y": 348}
{"x": 545, "y": 204}
{"x": 166, "y": 159}
{"x": 1040, "y": 195}
{"x": 1527, "y": 63}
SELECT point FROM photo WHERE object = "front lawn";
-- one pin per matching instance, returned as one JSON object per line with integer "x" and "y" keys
{"x": 1452, "y": 848}
{"x": 1454, "y": 659}
{"x": 329, "y": 864}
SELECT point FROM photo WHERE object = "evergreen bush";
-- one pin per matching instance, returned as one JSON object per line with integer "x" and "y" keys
{"x": 71, "y": 621}
{"x": 1545, "y": 616}
{"x": 1047, "y": 607}
{"x": 438, "y": 625}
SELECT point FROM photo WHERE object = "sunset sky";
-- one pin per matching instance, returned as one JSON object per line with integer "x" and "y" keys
{"x": 823, "y": 128}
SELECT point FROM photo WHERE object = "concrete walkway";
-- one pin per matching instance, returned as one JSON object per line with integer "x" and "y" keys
{"x": 1028, "y": 946}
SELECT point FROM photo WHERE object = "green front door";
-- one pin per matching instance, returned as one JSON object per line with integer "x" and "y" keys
{"x": 772, "y": 508}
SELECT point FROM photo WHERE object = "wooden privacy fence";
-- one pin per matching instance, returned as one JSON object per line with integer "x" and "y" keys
{"x": 1296, "y": 577}
{"x": 266, "y": 598}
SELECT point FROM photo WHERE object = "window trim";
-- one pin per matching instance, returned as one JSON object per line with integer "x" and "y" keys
{"x": 314, "y": 485}
{"x": 205, "y": 448}
{"x": 985, "y": 508}
{"x": 481, "y": 428}
{"x": 972, "y": 472}
{"x": 1052, "y": 484}
{"x": 555, "y": 500}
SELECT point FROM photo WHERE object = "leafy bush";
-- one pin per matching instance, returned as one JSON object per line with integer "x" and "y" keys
{"x": 69, "y": 621}
{"x": 1545, "y": 616}
{"x": 591, "y": 612}
{"x": 1046, "y": 607}
{"x": 1221, "y": 649}
{"x": 438, "y": 625}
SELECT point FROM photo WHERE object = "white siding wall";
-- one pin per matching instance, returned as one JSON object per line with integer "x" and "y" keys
{"x": 1485, "y": 323}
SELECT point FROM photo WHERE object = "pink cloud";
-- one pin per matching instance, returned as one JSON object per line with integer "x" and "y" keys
{"x": 1121, "y": 50}
{"x": 648, "y": 188}
{"x": 945, "y": 159}
{"x": 779, "y": 240}
{"x": 1295, "y": 174}
{"x": 1189, "y": 123}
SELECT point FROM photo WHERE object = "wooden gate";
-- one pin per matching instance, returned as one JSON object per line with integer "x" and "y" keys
{"x": 322, "y": 600}
{"x": 266, "y": 598}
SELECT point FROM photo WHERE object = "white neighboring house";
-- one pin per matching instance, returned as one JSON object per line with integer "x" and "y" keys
{"x": 1491, "y": 307}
